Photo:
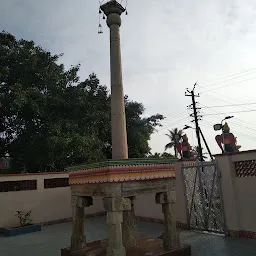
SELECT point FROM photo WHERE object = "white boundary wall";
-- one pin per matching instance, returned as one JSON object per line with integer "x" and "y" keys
{"x": 46, "y": 204}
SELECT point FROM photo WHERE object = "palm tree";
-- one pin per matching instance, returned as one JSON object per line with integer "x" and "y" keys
{"x": 174, "y": 136}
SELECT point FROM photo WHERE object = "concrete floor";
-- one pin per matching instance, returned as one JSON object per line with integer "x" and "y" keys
{"x": 51, "y": 239}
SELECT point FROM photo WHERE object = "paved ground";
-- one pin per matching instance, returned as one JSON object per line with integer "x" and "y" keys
{"x": 49, "y": 241}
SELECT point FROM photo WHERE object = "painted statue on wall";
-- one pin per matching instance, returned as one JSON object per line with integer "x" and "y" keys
{"x": 228, "y": 140}
{"x": 184, "y": 148}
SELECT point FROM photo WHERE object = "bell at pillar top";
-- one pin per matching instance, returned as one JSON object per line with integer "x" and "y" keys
{"x": 100, "y": 29}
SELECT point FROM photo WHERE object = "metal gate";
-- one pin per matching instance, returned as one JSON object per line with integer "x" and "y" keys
{"x": 203, "y": 196}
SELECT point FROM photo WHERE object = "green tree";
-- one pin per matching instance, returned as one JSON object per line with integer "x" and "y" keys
{"x": 49, "y": 119}
{"x": 139, "y": 129}
{"x": 174, "y": 137}
{"x": 155, "y": 155}
{"x": 166, "y": 155}
{"x": 159, "y": 155}
{"x": 31, "y": 88}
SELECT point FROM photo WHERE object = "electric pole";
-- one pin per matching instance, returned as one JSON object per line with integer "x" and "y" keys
{"x": 196, "y": 119}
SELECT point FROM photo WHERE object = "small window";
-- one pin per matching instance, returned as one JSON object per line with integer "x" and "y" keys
{"x": 18, "y": 185}
{"x": 56, "y": 183}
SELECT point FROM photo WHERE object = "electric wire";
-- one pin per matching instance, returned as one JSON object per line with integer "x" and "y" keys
{"x": 235, "y": 112}
{"x": 223, "y": 86}
{"x": 231, "y": 105}
{"x": 227, "y": 80}
{"x": 235, "y": 74}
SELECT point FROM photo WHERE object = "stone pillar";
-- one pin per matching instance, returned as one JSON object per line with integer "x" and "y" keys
{"x": 113, "y": 11}
{"x": 115, "y": 207}
{"x": 129, "y": 226}
{"x": 170, "y": 235}
{"x": 78, "y": 238}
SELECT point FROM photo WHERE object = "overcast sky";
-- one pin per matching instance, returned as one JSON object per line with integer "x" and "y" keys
{"x": 167, "y": 46}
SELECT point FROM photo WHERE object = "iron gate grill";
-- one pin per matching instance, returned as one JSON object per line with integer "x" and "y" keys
{"x": 203, "y": 196}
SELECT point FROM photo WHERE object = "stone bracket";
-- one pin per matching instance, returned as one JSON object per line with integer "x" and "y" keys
{"x": 115, "y": 204}
{"x": 82, "y": 201}
{"x": 165, "y": 197}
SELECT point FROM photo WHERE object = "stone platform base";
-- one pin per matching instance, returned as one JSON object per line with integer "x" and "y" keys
{"x": 146, "y": 247}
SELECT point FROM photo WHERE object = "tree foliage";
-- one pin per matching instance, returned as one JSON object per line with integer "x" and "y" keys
{"x": 159, "y": 155}
{"x": 50, "y": 119}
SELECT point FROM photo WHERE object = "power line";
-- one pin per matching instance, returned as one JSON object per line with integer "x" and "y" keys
{"x": 171, "y": 125}
{"x": 225, "y": 96}
{"x": 233, "y": 78}
{"x": 238, "y": 82}
{"x": 236, "y": 124}
{"x": 242, "y": 121}
{"x": 241, "y": 134}
{"x": 176, "y": 114}
{"x": 219, "y": 78}
{"x": 231, "y": 105}
{"x": 244, "y": 111}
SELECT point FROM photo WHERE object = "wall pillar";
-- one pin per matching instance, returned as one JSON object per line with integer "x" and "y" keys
{"x": 170, "y": 235}
{"x": 180, "y": 204}
{"x": 78, "y": 238}
{"x": 129, "y": 226}
{"x": 229, "y": 195}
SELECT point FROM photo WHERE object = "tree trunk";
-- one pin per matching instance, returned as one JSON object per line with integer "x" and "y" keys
{"x": 175, "y": 151}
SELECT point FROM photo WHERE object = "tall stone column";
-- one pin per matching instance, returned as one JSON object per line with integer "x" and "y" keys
{"x": 170, "y": 235}
{"x": 78, "y": 238}
{"x": 113, "y": 11}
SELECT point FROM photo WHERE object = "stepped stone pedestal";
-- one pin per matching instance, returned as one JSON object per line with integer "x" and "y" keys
{"x": 118, "y": 183}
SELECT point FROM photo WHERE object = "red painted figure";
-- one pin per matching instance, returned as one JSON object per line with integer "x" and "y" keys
{"x": 184, "y": 148}
{"x": 227, "y": 139}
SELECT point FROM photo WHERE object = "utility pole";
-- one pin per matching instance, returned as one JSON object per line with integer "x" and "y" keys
{"x": 206, "y": 144}
{"x": 196, "y": 119}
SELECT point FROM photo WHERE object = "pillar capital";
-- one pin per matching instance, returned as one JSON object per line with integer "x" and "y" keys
{"x": 113, "y": 11}
{"x": 165, "y": 197}
{"x": 112, "y": 6}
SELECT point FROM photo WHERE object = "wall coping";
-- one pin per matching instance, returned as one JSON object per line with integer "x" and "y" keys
{"x": 237, "y": 153}
{"x": 32, "y": 174}
{"x": 110, "y": 163}
{"x": 188, "y": 160}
